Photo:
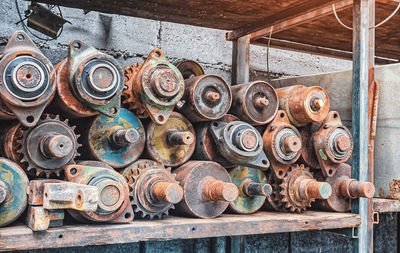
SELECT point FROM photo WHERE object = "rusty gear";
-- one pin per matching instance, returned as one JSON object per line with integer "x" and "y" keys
{"x": 154, "y": 190}
{"x": 273, "y": 201}
{"x": 299, "y": 188}
{"x": 129, "y": 98}
{"x": 44, "y": 149}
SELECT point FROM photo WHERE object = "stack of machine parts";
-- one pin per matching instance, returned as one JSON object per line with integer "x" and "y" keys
{"x": 92, "y": 141}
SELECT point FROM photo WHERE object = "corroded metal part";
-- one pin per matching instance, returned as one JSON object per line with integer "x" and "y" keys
{"x": 207, "y": 189}
{"x": 299, "y": 188}
{"x": 89, "y": 82}
{"x": 282, "y": 144}
{"x": 116, "y": 141}
{"x": 344, "y": 188}
{"x": 327, "y": 144}
{"x": 56, "y": 194}
{"x": 130, "y": 99}
{"x": 44, "y": 149}
{"x": 273, "y": 201}
{"x": 40, "y": 219}
{"x": 13, "y": 189}
{"x": 27, "y": 80}
{"x": 139, "y": 164}
{"x": 157, "y": 86}
{"x": 253, "y": 189}
{"x": 190, "y": 69}
{"x": 113, "y": 204}
{"x": 206, "y": 148}
{"x": 207, "y": 97}
{"x": 303, "y": 104}
{"x": 240, "y": 143}
{"x": 154, "y": 189}
{"x": 255, "y": 102}
{"x": 172, "y": 143}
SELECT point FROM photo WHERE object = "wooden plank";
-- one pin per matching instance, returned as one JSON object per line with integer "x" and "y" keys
{"x": 290, "y": 12}
{"x": 22, "y": 238}
{"x": 386, "y": 205}
{"x": 316, "y": 50}
{"x": 304, "y": 18}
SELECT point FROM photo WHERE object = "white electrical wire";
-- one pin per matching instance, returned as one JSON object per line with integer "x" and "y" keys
{"x": 381, "y": 23}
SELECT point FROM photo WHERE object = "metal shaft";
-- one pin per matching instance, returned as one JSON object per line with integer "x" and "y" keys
{"x": 180, "y": 138}
{"x": 312, "y": 189}
{"x": 251, "y": 188}
{"x": 123, "y": 137}
{"x": 166, "y": 192}
{"x": 55, "y": 145}
{"x": 261, "y": 102}
{"x": 216, "y": 190}
{"x": 292, "y": 144}
{"x": 3, "y": 192}
{"x": 351, "y": 188}
{"x": 212, "y": 96}
{"x": 317, "y": 103}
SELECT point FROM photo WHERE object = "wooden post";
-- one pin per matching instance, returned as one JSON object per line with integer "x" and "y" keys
{"x": 361, "y": 66}
{"x": 240, "y": 60}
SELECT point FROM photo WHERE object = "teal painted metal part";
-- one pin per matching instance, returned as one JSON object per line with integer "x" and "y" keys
{"x": 245, "y": 204}
{"x": 15, "y": 183}
{"x": 101, "y": 147}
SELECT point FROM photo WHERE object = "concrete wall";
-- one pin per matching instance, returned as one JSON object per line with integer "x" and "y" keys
{"x": 130, "y": 40}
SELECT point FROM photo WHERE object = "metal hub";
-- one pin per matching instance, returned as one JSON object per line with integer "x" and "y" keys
{"x": 339, "y": 143}
{"x": 289, "y": 144}
{"x": 165, "y": 82}
{"x": 317, "y": 103}
{"x": 26, "y": 78}
{"x": 56, "y": 145}
{"x": 3, "y": 192}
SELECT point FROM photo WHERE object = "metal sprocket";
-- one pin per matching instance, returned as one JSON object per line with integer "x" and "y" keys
{"x": 129, "y": 96}
{"x": 25, "y": 160}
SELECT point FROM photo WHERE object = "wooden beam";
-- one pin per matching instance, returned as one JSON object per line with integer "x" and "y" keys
{"x": 287, "y": 14}
{"x": 311, "y": 49}
{"x": 240, "y": 60}
{"x": 304, "y": 18}
{"x": 20, "y": 237}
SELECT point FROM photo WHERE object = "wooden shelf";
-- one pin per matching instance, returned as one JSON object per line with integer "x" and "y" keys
{"x": 386, "y": 205}
{"x": 20, "y": 237}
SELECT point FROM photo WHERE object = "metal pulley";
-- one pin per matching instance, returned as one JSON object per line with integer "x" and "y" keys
{"x": 113, "y": 199}
{"x": 282, "y": 144}
{"x": 190, "y": 69}
{"x": 89, "y": 82}
{"x": 206, "y": 148}
{"x": 154, "y": 87}
{"x": 254, "y": 102}
{"x": 297, "y": 190}
{"x": 239, "y": 143}
{"x": 253, "y": 189}
{"x": 44, "y": 149}
{"x": 116, "y": 141}
{"x": 13, "y": 189}
{"x": 344, "y": 189}
{"x": 303, "y": 104}
{"x": 154, "y": 189}
{"x": 172, "y": 143}
{"x": 207, "y": 97}
{"x": 326, "y": 144}
{"x": 207, "y": 189}
{"x": 27, "y": 80}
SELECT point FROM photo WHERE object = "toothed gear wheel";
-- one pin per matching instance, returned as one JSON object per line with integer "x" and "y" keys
{"x": 273, "y": 201}
{"x": 140, "y": 180}
{"x": 31, "y": 153}
{"x": 288, "y": 189}
{"x": 129, "y": 96}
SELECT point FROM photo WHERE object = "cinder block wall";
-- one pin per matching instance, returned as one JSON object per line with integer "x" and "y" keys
{"x": 130, "y": 40}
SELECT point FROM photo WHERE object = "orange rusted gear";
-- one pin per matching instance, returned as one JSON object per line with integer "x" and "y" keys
{"x": 129, "y": 98}
{"x": 299, "y": 189}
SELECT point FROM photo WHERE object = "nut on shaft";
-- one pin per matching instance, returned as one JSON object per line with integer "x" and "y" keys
{"x": 251, "y": 188}
{"x": 212, "y": 96}
{"x": 55, "y": 145}
{"x": 352, "y": 188}
{"x": 216, "y": 190}
{"x": 312, "y": 189}
{"x": 180, "y": 138}
{"x": 166, "y": 192}
{"x": 123, "y": 137}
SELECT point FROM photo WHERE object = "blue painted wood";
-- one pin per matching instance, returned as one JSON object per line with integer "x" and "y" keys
{"x": 360, "y": 114}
